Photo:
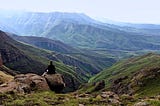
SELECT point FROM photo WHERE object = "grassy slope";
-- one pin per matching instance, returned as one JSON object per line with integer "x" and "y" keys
{"x": 5, "y": 77}
{"x": 35, "y": 60}
{"x": 88, "y": 61}
{"x": 42, "y": 56}
{"x": 130, "y": 66}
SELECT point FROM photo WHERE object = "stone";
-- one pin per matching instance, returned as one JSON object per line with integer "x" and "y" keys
{"x": 114, "y": 101}
{"x": 80, "y": 105}
{"x": 142, "y": 104}
{"x": 33, "y": 81}
{"x": 98, "y": 97}
{"x": 25, "y": 83}
{"x": 55, "y": 82}
{"x": 83, "y": 95}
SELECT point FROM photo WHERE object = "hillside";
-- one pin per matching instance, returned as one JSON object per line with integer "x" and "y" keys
{"x": 102, "y": 37}
{"x": 88, "y": 61}
{"x": 12, "y": 56}
{"x": 139, "y": 75}
{"x": 103, "y": 97}
{"x": 22, "y": 58}
{"x": 45, "y": 43}
{"x": 77, "y": 67}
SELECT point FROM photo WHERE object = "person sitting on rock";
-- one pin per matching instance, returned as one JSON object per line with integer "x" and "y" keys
{"x": 51, "y": 68}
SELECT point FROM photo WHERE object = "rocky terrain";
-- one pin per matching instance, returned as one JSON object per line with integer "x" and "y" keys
{"x": 99, "y": 98}
{"x": 134, "y": 76}
{"x": 141, "y": 88}
{"x": 29, "y": 83}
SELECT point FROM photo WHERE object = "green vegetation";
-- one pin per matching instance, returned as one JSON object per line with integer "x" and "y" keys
{"x": 48, "y": 98}
{"x": 142, "y": 68}
{"x": 151, "y": 88}
{"x": 154, "y": 102}
{"x": 88, "y": 62}
{"x": 25, "y": 58}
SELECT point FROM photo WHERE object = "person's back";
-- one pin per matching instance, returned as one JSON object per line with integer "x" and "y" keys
{"x": 51, "y": 68}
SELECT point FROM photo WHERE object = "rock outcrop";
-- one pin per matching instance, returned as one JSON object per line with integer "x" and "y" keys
{"x": 71, "y": 83}
{"x": 129, "y": 85}
{"x": 55, "y": 82}
{"x": 25, "y": 83}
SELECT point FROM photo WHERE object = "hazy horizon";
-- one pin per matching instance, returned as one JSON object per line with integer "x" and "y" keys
{"x": 122, "y": 11}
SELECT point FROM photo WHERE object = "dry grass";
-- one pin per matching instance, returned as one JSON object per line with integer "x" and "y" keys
{"x": 5, "y": 77}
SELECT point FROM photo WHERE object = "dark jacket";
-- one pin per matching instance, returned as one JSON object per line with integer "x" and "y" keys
{"x": 51, "y": 69}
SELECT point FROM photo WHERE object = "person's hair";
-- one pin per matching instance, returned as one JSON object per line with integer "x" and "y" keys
{"x": 51, "y": 63}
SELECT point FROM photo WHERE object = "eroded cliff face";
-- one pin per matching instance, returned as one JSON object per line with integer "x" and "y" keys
{"x": 11, "y": 55}
{"x": 15, "y": 58}
{"x": 8, "y": 51}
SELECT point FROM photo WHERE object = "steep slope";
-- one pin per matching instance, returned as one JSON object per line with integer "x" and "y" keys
{"x": 140, "y": 75}
{"x": 24, "y": 58}
{"x": 4, "y": 77}
{"x": 88, "y": 61}
{"x": 15, "y": 58}
{"x": 45, "y": 43}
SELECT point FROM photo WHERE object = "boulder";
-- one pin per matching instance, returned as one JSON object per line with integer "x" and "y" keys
{"x": 142, "y": 104}
{"x": 55, "y": 82}
{"x": 109, "y": 94}
{"x": 71, "y": 83}
{"x": 25, "y": 83}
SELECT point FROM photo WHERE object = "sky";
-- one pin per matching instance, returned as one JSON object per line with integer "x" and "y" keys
{"x": 135, "y": 11}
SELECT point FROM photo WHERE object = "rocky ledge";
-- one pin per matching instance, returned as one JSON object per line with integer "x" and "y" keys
{"x": 27, "y": 83}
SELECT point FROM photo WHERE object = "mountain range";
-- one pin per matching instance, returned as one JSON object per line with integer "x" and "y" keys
{"x": 80, "y": 31}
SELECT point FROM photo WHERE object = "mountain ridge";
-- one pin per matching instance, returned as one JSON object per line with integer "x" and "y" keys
{"x": 79, "y": 30}
{"x": 69, "y": 55}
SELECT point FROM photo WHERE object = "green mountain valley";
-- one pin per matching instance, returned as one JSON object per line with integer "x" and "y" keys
{"x": 96, "y": 63}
